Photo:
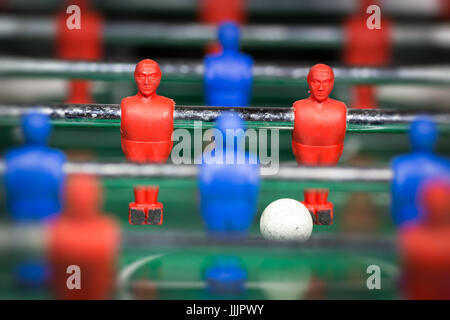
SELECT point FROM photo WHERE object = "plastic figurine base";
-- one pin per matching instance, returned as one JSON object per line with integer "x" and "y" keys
{"x": 147, "y": 119}
{"x": 318, "y": 138}
{"x": 321, "y": 210}
{"x": 145, "y": 210}
{"x": 321, "y": 214}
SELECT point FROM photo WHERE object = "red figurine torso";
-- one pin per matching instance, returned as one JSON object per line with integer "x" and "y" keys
{"x": 139, "y": 118}
{"x": 80, "y": 44}
{"x": 92, "y": 245}
{"x": 366, "y": 47}
{"x": 319, "y": 131}
{"x": 425, "y": 245}
{"x": 86, "y": 238}
{"x": 319, "y": 124}
{"x": 146, "y": 128}
{"x": 426, "y": 256}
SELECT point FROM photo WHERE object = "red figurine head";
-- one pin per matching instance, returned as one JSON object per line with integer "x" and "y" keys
{"x": 435, "y": 199}
{"x": 320, "y": 81}
{"x": 83, "y": 196}
{"x": 362, "y": 6}
{"x": 147, "y": 76}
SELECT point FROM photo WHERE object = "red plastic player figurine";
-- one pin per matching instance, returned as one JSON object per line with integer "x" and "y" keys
{"x": 218, "y": 11}
{"x": 215, "y": 12}
{"x": 85, "y": 238}
{"x": 426, "y": 245}
{"x": 145, "y": 209}
{"x": 318, "y": 137}
{"x": 366, "y": 47}
{"x": 83, "y": 43}
{"x": 445, "y": 9}
{"x": 147, "y": 119}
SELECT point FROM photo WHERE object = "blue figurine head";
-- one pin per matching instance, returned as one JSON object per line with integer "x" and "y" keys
{"x": 228, "y": 36}
{"x": 231, "y": 122}
{"x": 423, "y": 134}
{"x": 36, "y": 128}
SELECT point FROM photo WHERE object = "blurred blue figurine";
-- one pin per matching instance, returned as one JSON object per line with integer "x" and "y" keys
{"x": 226, "y": 277}
{"x": 229, "y": 189}
{"x": 228, "y": 74}
{"x": 34, "y": 177}
{"x": 34, "y": 184}
{"x": 410, "y": 170}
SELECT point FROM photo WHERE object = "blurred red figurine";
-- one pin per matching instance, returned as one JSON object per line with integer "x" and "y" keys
{"x": 444, "y": 9}
{"x": 147, "y": 119}
{"x": 425, "y": 246}
{"x": 365, "y": 47}
{"x": 79, "y": 42}
{"x": 216, "y": 12}
{"x": 318, "y": 137}
{"x": 85, "y": 238}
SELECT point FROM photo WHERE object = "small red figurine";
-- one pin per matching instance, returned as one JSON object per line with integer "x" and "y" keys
{"x": 366, "y": 47}
{"x": 146, "y": 135}
{"x": 83, "y": 43}
{"x": 318, "y": 137}
{"x": 216, "y": 12}
{"x": 425, "y": 246}
{"x": 444, "y": 9}
{"x": 147, "y": 119}
{"x": 85, "y": 238}
{"x": 145, "y": 209}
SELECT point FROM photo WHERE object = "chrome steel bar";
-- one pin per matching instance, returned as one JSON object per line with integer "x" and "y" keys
{"x": 28, "y": 67}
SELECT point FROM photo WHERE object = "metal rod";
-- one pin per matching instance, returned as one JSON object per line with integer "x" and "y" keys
{"x": 254, "y": 36}
{"x": 316, "y": 242}
{"x": 404, "y": 8}
{"x": 292, "y": 173}
{"x": 32, "y": 238}
{"x": 270, "y": 117}
{"x": 284, "y": 172}
{"x": 28, "y": 67}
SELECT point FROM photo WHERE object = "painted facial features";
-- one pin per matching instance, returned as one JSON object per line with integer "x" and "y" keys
{"x": 320, "y": 84}
{"x": 147, "y": 78}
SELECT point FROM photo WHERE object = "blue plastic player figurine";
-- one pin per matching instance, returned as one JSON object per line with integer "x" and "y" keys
{"x": 34, "y": 183}
{"x": 228, "y": 75}
{"x": 229, "y": 190}
{"x": 34, "y": 177}
{"x": 412, "y": 169}
{"x": 226, "y": 277}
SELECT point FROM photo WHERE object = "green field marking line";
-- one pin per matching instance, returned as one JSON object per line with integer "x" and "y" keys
{"x": 126, "y": 273}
